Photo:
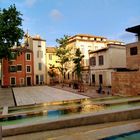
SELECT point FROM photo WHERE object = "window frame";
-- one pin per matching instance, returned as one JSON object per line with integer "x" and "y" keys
{"x": 101, "y": 61}
{"x": 93, "y": 63}
{"x": 17, "y": 67}
{"x": 12, "y": 66}
{"x": 40, "y": 66}
{"x": 50, "y": 56}
{"x": 11, "y": 81}
{"x": 15, "y": 56}
{"x": 27, "y": 68}
{"x": 27, "y": 57}
{"x": 134, "y": 50}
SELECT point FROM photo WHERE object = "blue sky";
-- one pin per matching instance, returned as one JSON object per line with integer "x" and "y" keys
{"x": 52, "y": 19}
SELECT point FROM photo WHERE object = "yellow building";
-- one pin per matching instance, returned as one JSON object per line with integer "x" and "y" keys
{"x": 51, "y": 60}
{"x": 86, "y": 43}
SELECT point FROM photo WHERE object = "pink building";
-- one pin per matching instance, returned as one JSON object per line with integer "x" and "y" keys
{"x": 19, "y": 71}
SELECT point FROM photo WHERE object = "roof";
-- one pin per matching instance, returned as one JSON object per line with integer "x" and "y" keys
{"x": 38, "y": 39}
{"x": 106, "y": 48}
{"x": 115, "y": 42}
{"x": 50, "y": 50}
{"x": 134, "y": 29}
{"x": 102, "y": 49}
{"x": 21, "y": 49}
{"x": 86, "y": 35}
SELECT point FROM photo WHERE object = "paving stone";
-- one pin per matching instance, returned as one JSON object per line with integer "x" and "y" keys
{"x": 41, "y": 94}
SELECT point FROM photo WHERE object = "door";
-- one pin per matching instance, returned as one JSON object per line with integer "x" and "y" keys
{"x": 93, "y": 79}
{"x": 100, "y": 79}
{"x": 28, "y": 81}
{"x": 37, "y": 79}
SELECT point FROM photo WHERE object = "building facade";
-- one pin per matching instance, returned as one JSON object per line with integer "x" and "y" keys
{"x": 51, "y": 61}
{"x": 127, "y": 83}
{"x": 38, "y": 46}
{"x": 86, "y": 43}
{"x": 19, "y": 71}
{"x": 105, "y": 61}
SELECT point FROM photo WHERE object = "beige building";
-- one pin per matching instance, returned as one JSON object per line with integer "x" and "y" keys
{"x": 86, "y": 43}
{"x": 105, "y": 61}
{"x": 38, "y": 46}
{"x": 51, "y": 60}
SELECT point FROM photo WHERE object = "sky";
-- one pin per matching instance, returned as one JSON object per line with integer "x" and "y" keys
{"x": 51, "y": 19}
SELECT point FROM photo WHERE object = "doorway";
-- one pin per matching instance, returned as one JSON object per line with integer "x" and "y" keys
{"x": 28, "y": 81}
{"x": 37, "y": 79}
{"x": 100, "y": 79}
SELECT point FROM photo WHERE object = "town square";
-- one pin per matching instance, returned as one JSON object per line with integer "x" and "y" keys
{"x": 69, "y": 70}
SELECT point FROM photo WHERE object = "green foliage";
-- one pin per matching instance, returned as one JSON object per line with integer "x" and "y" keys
{"x": 52, "y": 71}
{"x": 63, "y": 53}
{"x": 10, "y": 30}
{"x": 77, "y": 61}
{"x": 63, "y": 41}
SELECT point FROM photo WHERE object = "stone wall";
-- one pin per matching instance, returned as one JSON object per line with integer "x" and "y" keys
{"x": 133, "y": 61}
{"x": 126, "y": 83}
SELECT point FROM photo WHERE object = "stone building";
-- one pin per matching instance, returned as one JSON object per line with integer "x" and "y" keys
{"x": 128, "y": 82}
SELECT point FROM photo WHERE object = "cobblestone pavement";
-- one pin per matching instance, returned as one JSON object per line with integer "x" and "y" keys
{"x": 41, "y": 94}
{"x": 6, "y": 97}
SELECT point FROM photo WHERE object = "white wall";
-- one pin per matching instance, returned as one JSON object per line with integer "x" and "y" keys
{"x": 114, "y": 57}
{"x": 117, "y": 57}
{"x": 39, "y": 60}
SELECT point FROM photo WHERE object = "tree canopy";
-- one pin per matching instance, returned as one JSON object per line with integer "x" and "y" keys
{"x": 77, "y": 61}
{"x": 10, "y": 30}
{"x": 63, "y": 53}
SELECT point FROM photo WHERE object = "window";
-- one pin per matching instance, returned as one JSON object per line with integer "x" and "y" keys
{"x": 28, "y": 68}
{"x": 41, "y": 79}
{"x": 13, "y": 56}
{"x": 101, "y": 60}
{"x": 133, "y": 51}
{"x": 39, "y": 44}
{"x": 19, "y": 67}
{"x": 39, "y": 54}
{"x": 21, "y": 81}
{"x": 50, "y": 56}
{"x": 39, "y": 66}
{"x": 12, "y": 68}
{"x": 93, "y": 61}
{"x": 12, "y": 80}
{"x": 28, "y": 56}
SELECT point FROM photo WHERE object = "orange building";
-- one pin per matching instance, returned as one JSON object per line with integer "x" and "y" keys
{"x": 19, "y": 70}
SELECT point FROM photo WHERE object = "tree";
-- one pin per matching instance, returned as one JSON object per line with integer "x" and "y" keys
{"x": 78, "y": 67}
{"x": 63, "y": 54}
{"x": 10, "y": 30}
{"x": 52, "y": 72}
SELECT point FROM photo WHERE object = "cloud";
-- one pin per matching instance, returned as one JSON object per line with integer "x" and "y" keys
{"x": 56, "y": 14}
{"x": 127, "y": 37}
{"x": 30, "y": 3}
